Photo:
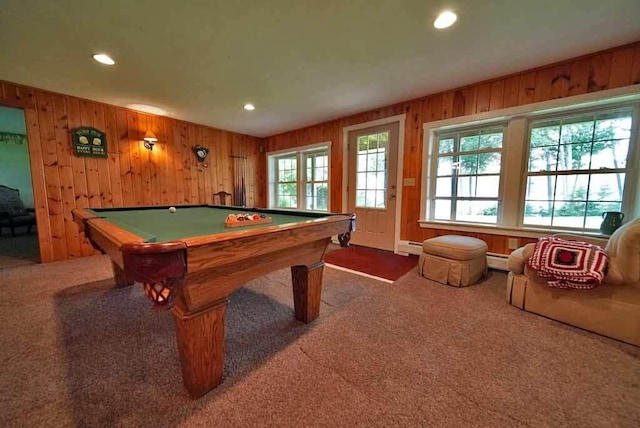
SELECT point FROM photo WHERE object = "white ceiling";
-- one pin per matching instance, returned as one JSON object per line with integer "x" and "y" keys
{"x": 300, "y": 62}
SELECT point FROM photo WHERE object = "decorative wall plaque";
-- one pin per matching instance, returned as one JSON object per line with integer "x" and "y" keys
{"x": 201, "y": 152}
{"x": 89, "y": 141}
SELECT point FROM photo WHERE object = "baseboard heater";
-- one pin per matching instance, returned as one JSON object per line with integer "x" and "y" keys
{"x": 494, "y": 260}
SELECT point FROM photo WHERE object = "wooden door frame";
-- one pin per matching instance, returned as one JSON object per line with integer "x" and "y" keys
{"x": 400, "y": 119}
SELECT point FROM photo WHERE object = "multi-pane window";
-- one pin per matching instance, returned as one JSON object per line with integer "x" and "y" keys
{"x": 577, "y": 167}
{"x": 300, "y": 179}
{"x": 316, "y": 180}
{"x": 287, "y": 184}
{"x": 467, "y": 175}
{"x": 371, "y": 170}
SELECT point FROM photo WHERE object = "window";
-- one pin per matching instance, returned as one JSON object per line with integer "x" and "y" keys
{"x": 577, "y": 169}
{"x": 316, "y": 180}
{"x": 287, "y": 188}
{"x": 300, "y": 179}
{"x": 544, "y": 166}
{"x": 467, "y": 175}
{"x": 371, "y": 179}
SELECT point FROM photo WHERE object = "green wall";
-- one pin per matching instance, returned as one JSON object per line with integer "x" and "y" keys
{"x": 15, "y": 170}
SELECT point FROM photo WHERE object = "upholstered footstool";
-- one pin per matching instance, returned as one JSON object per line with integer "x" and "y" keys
{"x": 454, "y": 260}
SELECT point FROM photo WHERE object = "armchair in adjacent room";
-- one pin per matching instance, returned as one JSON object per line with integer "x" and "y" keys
{"x": 12, "y": 211}
{"x": 611, "y": 309}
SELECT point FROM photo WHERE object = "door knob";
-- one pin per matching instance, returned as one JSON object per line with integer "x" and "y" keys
{"x": 392, "y": 195}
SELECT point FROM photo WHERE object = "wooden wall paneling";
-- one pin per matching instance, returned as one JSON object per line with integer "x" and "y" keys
{"x": 432, "y": 108}
{"x": 560, "y": 81}
{"x": 226, "y": 169}
{"x": 166, "y": 181}
{"x": 196, "y": 139}
{"x": 52, "y": 180}
{"x": 621, "y": 67}
{"x": 134, "y": 136}
{"x": 64, "y": 156}
{"x": 113, "y": 149}
{"x": 41, "y": 201}
{"x": 186, "y": 162}
{"x": 510, "y": 94}
{"x": 18, "y": 96}
{"x": 124, "y": 158}
{"x": 102, "y": 164}
{"x": 579, "y": 76}
{"x": 178, "y": 165}
{"x": 166, "y": 170}
{"x": 543, "y": 85}
{"x": 527, "y": 91}
{"x": 207, "y": 141}
{"x": 470, "y": 97}
{"x": 447, "y": 105}
{"x": 79, "y": 169}
{"x": 635, "y": 71}
{"x": 87, "y": 118}
{"x": 497, "y": 95}
{"x": 459, "y": 101}
{"x": 484, "y": 98}
{"x": 155, "y": 158}
{"x": 214, "y": 160}
{"x": 600, "y": 72}
{"x": 146, "y": 158}
{"x": 193, "y": 166}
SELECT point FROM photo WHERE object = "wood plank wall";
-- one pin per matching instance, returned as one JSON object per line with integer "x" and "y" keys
{"x": 608, "y": 69}
{"x": 130, "y": 176}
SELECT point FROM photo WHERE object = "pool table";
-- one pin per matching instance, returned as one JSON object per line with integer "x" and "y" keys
{"x": 190, "y": 262}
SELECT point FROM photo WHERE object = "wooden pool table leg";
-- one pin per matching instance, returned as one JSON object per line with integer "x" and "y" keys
{"x": 119, "y": 276}
{"x": 307, "y": 290}
{"x": 200, "y": 338}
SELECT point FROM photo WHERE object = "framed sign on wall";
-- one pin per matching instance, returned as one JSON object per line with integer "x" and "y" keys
{"x": 88, "y": 141}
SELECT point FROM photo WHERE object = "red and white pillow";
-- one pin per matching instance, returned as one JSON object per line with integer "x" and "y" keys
{"x": 569, "y": 264}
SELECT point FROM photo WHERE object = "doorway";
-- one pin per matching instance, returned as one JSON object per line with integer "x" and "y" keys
{"x": 372, "y": 192}
{"x": 15, "y": 173}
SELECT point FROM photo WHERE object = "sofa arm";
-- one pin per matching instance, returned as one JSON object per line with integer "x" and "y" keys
{"x": 518, "y": 258}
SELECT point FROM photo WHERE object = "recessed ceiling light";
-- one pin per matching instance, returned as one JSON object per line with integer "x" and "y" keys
{"x": 103, "y": 59}
{"x": 147, "y": 109}
{"x": 445, "y": 20}
{"x": 249, "y": 107}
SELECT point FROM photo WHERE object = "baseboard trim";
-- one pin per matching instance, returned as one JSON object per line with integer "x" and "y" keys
{"x": 494, "y": 260}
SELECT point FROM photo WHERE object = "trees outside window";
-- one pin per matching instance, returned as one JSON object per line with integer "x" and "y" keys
{"x": 300, "y": 179}
{"x": 577, "y": 169}
{"x": 467, "y": 179}
{"x": 550, "y": 167}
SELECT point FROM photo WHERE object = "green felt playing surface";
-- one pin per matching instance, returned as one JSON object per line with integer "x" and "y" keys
{"x": 159, "y": 225}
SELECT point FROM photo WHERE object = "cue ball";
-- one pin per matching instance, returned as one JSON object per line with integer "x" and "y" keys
{"x": 172, "y": 209}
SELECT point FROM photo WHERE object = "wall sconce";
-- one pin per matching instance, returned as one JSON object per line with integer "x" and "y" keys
{"x": 149, "y": 140}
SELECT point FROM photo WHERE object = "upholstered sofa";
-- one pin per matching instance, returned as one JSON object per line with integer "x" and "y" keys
{"x": 611, "y": 309}
{"x": 12, "y": 211}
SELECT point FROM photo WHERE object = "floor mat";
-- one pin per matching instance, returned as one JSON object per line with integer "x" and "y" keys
{"x": 371, "y": 261}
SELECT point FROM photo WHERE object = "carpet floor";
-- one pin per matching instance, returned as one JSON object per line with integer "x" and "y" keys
{"x": 77, "y": 352}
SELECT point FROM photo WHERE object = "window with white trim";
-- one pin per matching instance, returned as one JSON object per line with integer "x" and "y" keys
{"x": 300, "y": 179}
{"x": 467, "y": 175}
{"x": 577, "y": 168}
{"x": 560, "y": 168}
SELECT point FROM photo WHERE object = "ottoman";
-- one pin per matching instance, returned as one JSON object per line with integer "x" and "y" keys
{"x": 454, "y": 260}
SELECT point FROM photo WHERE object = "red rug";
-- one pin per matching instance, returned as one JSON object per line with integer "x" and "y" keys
{"x": 380, "y": 263}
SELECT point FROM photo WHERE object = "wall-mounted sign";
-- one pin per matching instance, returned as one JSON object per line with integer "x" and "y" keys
{"x": 201, "y": 152}
{"x": 89, "y": 141}
{"x": 8, "y": 137}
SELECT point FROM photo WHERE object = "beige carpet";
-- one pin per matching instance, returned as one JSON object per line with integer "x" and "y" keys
{"x": 76, "y": 352}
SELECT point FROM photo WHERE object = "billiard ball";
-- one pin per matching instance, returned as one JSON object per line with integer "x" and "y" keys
{"x": 172, "y": 209}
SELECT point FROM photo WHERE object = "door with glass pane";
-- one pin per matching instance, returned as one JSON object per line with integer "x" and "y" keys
{"x": 373, "y": 154}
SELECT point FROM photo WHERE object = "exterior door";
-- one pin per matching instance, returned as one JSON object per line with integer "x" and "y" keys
{"x": 371, "y": 191}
